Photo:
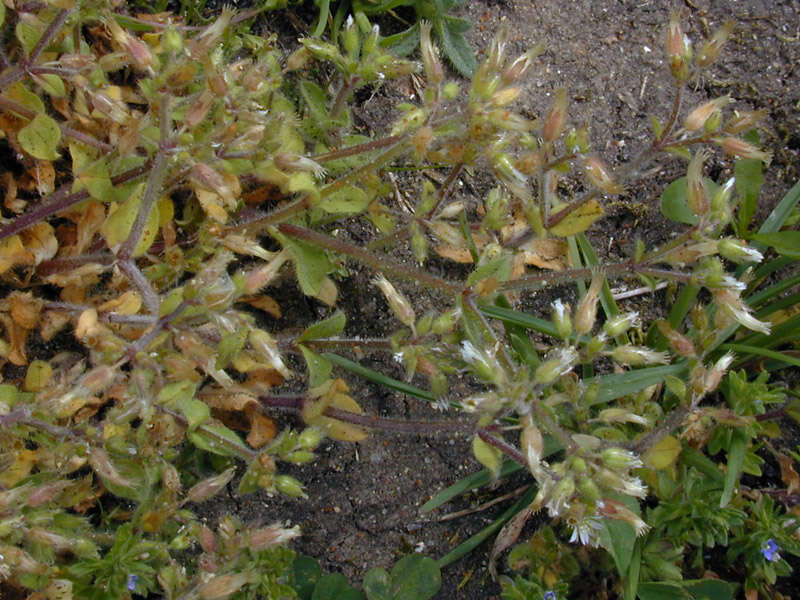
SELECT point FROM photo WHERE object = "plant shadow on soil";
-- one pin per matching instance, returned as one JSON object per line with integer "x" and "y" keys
{"x": 364, "y": 499}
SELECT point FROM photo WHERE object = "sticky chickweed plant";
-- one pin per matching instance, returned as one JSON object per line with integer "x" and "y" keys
{"x": 163, "y": 180}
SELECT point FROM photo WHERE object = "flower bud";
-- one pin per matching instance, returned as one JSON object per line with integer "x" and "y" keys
{"x": 207, "y": 488}
{"x": 172, "y": 40}
{"x": 731, "y": 304}
{"x": 286, "y": 484}
{"x": 577, "y": 140}
{"x": 589, "y": 490}
{"x": 267, "y": 349}
{"x": 697, "y": 198}
{"x": 619, "y": 324}
{"x": 298, "y": 59}
{"x": 351, "y": 40}
{"x": 370, "y": 43}
{"x": 550, "y": 370}
{"x": 738, "y": 251}
{"x": 561, "y": 319}
{"x": 679, "y": 50}
{"x": 399, "y": 304}
{"x": 222, "y": 586}
{"x": 742, "y": 149}
{"x": 483, "y": 363}
{"x": 310, "y": 438}
{"x": 628, "y": 354}
{"x": 620, "y": 415}
{"x": 597, "y": 172}
{"x": 721, "y": 211}
{"x": 504, "y": 96}
{"x": 269, "y": 537}
{"x": 557, "y": 117}
{"x": 445, "y": 322}
{"x": 586, "y": 312}
{"x": 618, "y": 459}
{"x": 711, "y": 49}
{"x": 519, "y": 67}
{"x": 616, "y": 510}
{"x": 430, "y": 55}
{"x": 561, "y": 496}
{"x": 743, "y": 121}
{"x": 700, "y": 116}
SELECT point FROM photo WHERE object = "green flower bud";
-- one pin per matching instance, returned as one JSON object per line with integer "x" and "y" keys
{"x": 738, "y": 251}
{"x": 445, "y": 322}
{"x": 550, "y": 370}
{"x": 561, "y": 319}
{"x": 310, "y": 438}
{"x": 589, "y": 490}
{"x": 300, "y": 457}
{"x": 450, "y": 90}
{"x": 173, "y": 40}
{"x": 286, "y": 484}
{"x": 619, "y": 324}
{"x": 618, "y": 459}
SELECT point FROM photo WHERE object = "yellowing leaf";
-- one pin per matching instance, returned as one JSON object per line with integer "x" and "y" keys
{"x": 52, "y": 84}
{"x": 332, "y": 394}
{"x": 13, "y": 253}
{"x": 579, "y": 220}
{"x": 40, "y": 241}
{"x": 212, "y": 204}
{"x": 489, "y": 456}
{"x": 19, "y": 469}
{"x": 121, "y": 218}
{"x": 39, "y": 372}
{"x": 128, "y": 303}
{"x": 663, "y": 454}
{"x": 545, "y": 253}
{"x": 40, "y": 137}
{"x": 19, "y": 93}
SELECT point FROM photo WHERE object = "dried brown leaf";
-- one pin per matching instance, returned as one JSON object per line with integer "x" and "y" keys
{"x": 546, "y": 253}
{"x": 266, "y": 303}
{"x": 788, "y": 474}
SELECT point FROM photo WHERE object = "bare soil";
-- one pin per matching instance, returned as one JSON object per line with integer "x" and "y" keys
{"x": 364, "y": 499}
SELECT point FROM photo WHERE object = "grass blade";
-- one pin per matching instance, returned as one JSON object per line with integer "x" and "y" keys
{"x": 379, "y": 378}
{"x": 759, "y": 351}
{"x": 470, "y": 482}
{"x": 476, "y": 540}
{"x": 616, "y": 385}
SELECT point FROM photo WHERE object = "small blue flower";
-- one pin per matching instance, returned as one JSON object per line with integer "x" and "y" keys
{"x": 549, "y": 595}
{"x": 770, "y": 550}
{"x": 132, "y": 579}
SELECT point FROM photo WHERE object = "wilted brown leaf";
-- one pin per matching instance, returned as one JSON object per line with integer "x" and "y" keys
{"x": 40, "y": 241}
{"x": 788, "y": 474}
{"x": 266, "y": 303}
{"x": 13, "y": 254}
{"x": 546, "y": 253}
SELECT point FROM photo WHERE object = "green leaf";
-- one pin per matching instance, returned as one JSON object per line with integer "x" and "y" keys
{"x": 749, "y": 179}
{"x": 311, "y": 264}
{"x": 498, "y": 268}
{"x": 2, "y": 13}
{"x": 634, "y": 571}
{"x": 657, "y": 590}
{"x": 618, "y": 538}
{"x": 195, "y": 411}
{"x": 90, "y": 172}
{"x": 379, "y": 378}
{"x": 52, "y": 84}
{"x": 786, "y": 243}
{"x": 305, "y": 574}
{"x": 326, "y": 328}
{"x": 616, "y": 385}
{"x": 675, "y": 204}
{"x": 378, "y": 584}
{"x": 489, "y": 456}
{"x": 207, "y": 439}
{"x": 347, "y": 200}
{"x": 40, "y": 137}
{"x": 317, "y": 102}
{"x": 414, "y": 577}
{"x": 319, "y": 369}
{"x": 229, "y": 346}
{"x": 710, "y": 589}
{"x": 403, "y": 43}
{"x": 27, "y": 35}
{"x": 780, "y": 213}
{"x": 455, "y": 47}
{"x": 736, "y": 451}
{"x": 335, "y": 587}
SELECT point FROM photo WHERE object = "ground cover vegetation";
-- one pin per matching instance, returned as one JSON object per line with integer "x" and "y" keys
{"x": 164, "y": 177}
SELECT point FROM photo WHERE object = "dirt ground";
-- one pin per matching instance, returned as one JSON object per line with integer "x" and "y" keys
{"x": 364, "y": 499}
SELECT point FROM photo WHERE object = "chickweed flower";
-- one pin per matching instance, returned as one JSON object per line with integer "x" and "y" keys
{"x": 552, "y": 369}
{"x": 742, "y": 149}
{"x": 619, "y": 324}
{"x": 701, "y": 115}
{"x": 561, "y": 319}
{"x": 557, "y": 117}
{"x": 738, "y": 251}
{"x": 711, "y": 49}
{"x": 628, "y": 354}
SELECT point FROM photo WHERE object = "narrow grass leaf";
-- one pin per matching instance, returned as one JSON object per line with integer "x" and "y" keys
{"x": 736, "y": 451}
